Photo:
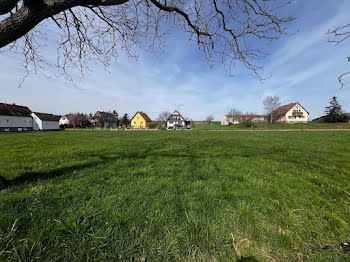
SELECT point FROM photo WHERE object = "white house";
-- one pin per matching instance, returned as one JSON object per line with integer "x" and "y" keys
{"x": 64, "y": 121}
{"x": 15, "y": 118}
{"x": 177, "y": 121}
{"x": 45, "y": 122}
{"x": 236, "y": 119}
{"x": 229, "y": 120}
{"x": 291, "y": 113}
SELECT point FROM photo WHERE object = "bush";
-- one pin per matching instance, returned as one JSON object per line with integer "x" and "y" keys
{"x": 192, "y": 124}
{"x": 152, "y": 125}
{"x": 246, "y": 121}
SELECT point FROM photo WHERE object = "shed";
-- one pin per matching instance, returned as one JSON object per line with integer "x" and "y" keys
{"x": 46, "y": 122}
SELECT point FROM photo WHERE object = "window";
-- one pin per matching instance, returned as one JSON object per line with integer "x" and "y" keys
{"x": 134, "y": 122}
{"x": 289, "y": 117}
{"x": 138, "y": 118}
{"x": 141, "y": 122}
{"x": 170, "y": 122}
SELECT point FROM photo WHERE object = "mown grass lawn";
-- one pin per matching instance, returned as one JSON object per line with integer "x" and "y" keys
{"x": 216, "y": 125}
{"x": 175, "y": 196}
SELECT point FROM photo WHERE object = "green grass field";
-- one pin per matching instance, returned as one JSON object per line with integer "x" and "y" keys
{"x": 175, "y": 196}
{"x": 216, "y": 125}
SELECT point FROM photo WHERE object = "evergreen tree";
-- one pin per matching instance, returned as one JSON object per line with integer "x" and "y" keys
{"x": 125, "y": 120}
{"x": 334, "y": 112}
{"x": 116, "y": 114}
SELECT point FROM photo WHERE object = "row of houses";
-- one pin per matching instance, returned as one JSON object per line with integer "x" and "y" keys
{"x": 140, "y": 120}
{"x": 20, "y": 118}
{"x": 290, "y": 113}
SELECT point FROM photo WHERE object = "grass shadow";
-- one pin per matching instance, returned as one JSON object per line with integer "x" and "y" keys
{"x": 29, "y": 177}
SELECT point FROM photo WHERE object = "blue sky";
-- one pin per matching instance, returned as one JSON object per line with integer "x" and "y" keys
{"x": 304, "y": 68}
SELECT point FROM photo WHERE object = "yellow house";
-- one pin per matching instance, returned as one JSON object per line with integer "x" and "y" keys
{"x": 140, "y": 120}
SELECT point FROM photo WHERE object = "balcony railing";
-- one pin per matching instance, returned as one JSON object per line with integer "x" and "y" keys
{"x": 297, "y": 113}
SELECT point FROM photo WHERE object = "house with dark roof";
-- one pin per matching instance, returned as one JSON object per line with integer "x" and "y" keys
{"x": 15, "y": 118}
{"x": 290, "y": 113}
{"x": 177, "y": 121}
{"x": 104, "y": 120}
{"x": 140, "y": 120}
{"x": 45, "y": 121}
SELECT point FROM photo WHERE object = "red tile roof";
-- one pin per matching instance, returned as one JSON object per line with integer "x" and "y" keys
{"x": 176, "y": 111}
{"x": 14, "y": 110}
{"x": 282, "y": 110}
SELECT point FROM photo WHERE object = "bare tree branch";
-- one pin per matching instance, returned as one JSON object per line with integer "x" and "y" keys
{"x": 225, "y": 31}
{"x": 340, "y": 34}
{"x": 341, "y": 79}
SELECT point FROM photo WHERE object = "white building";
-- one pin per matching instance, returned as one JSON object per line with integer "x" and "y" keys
{"x": 291, "y": 113}
{"x": 177, "y": 121}
{"x": 64, "y": 121}
{"x": 15, "y": 118}
{"x": 236, "y": 119}
{"x": 45, "y": 122}
{"x": 229, "y": 120}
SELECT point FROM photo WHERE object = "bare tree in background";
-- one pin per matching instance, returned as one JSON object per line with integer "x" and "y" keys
{"x": 340, "y": 34}
{"x": 233, "y": 115}
{"x": 234, "y": 112}
{"x": 225, "y": 31}
{"x": 209, "y": 119}
{"x": 80, "y": 120}
{"x": 271, "y": 103}
{"x": 163, "y": 116}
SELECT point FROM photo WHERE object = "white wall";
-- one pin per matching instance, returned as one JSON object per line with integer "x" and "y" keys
{"x": 50, "y": 125}
{"x": 16, "y": 121}
{"x": 225, "y": 121}
{"x": 172, "y": 123}
{"x": 64, "y": 121}
{"x": 290, "y": 118}
{"x": 45, "y": 125}
{"x": 37, "y": 123}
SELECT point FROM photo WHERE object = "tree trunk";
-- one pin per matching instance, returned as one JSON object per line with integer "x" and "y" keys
{"x": 6, "y": 6}
{"x": 33, "y": 12}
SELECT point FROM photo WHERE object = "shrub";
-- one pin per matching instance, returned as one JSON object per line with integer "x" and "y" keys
{"x": 152, "y": 125}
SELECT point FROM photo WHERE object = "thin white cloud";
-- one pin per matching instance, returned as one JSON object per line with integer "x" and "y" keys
{"x": 304, "y": 69}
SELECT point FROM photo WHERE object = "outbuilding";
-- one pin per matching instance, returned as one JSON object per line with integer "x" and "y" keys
{"x": 46, "y": 122}
{"x": 15, "y": 118}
